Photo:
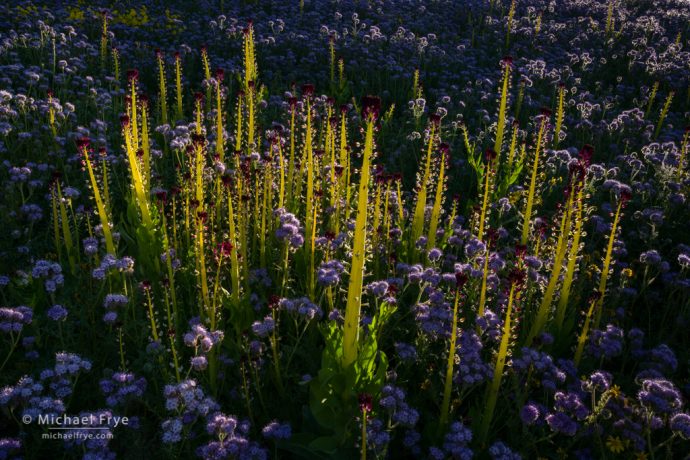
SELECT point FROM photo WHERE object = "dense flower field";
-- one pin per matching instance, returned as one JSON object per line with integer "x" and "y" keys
{"x": 345, "y": 229}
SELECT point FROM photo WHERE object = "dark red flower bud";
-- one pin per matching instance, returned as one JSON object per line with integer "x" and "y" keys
{"x": 83, "y": 143}
{"x": 371, "y": 106}
{"x": 132, "y": 75}
{"x": 308, "y": 90}
{"x": 366, "y": 402}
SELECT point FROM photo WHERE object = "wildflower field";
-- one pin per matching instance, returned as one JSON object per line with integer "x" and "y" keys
{"x": 341, "y": 229}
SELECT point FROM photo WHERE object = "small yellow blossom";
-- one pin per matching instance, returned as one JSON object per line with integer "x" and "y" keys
{"x": 615, "y": 444}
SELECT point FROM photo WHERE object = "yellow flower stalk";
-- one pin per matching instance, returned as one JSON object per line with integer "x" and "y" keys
{"x": 438, "y": 198}
{"x": 485, "y": 275}
{"x": 250, "y": 68}
{"x": 511, "y": 14}
{"x": 162, "y": 87}
{"x": 331, "y": 54}
{"x": 489, "y": 171}
{"x": 516, "y": 279}
{"x": 137, "y": 179}
{"x": 370, "y": 110}
{"x": 448, "y": 384}
{"x": 420, "y": 206}
{"x": 220, "y": 140}
{"x": 652, "y": 96}
{"x": 415, "y": 84}
{"x": 308, "y": 91}
{"x": 51, "y": 114}
{"x": 610, "y": 23}
{"x": 83, "y": 145}
{"x": 178, "y": 85}
{"x": 133, "y": 78}
{"x": 559, "y": 113}
{"x": 240, "y": 122}
{"x": 341, "y": 74}
{"x": 251, "y": 122}
{"x": 145, "y": 144}
{"x": 198, "y": 116}
{"x": 625, "y": 196}
{"x": 578, "y": 178}
{"x": 537, "y": 25}
{"x": 104, "y": 40}
{"x": 664, "y": 112}
{"x": 507, "y": 64}
{"x": 582, "y": 339}
{"x": 513, "y": 146}
{"x": 683, "y": 151}
{"x": 533, "y": 180}
{"x": 56, "y": 223}
{"x": 207, "y": 69}
{"x": 561, "y": 248}
{"x": 234, "y": 261}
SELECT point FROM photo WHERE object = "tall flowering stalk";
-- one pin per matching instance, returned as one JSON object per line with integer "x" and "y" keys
{"x": 610, "y": 22}
{"x": 511, "y": 14}
{"x": 652, "y": 96}
{"x": 561, "y": 248}
{"x": 116, "y": 64}
{"x": 420, "y": 206}
{"x": 308, "y": 91}
{"x": 234, "y": 261}
{"x": 560, "y": 111}
{"x": 162, "y": 87}
{"x": 586, "y": 326}
{"x": 684, "y": 146}
{"x": 104, "y": 39}
{"x": 664, "y": 112}
{"x": 178, "y": 85}
{"x": 370, "y": 111}
{"x": 438, "y": 199}
{"x": 460, "y": 280}
{"x": 516, "y": 279}
{"x": 507, "y": 64}
{"x": 145, "y": 144}
{"x": 601, "y": 290}
{"x": 578, "y": 175}
{"x": 543, "y": 124}
{"x": 83, "y": 146}
{"x": 490, "y": 166}
{"x": 135, "y": 172}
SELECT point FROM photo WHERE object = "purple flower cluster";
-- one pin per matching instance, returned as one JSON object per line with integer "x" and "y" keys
{"x": 111, "y": 263}
{"x": 542, "y": 366}
{"x": 111, "y": 303}
{"x": 187, "y": 399}
{"x": 328, "y": 273}
{"x": 231, "y": 440}
{"x": 606, "y": 343}
{"x": 202, "y": 340}
{"x": 393, "y": 401}
{"x": 276, "y": 430}
{"x": 122, "y": 386}
{"x": 456, "y": 440}
{"x": 199, "y": 337}
{"x": 660, "y": 396}
{"x": 264, "y": 328}
{"x": 50, "y": 272}
{"x": 290, "y": 229}
{"x": 14, "y": 319}
{"x": 57, "y": 313}
{"x": 472, "y": 369}
{"x": 302, "y": 306}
